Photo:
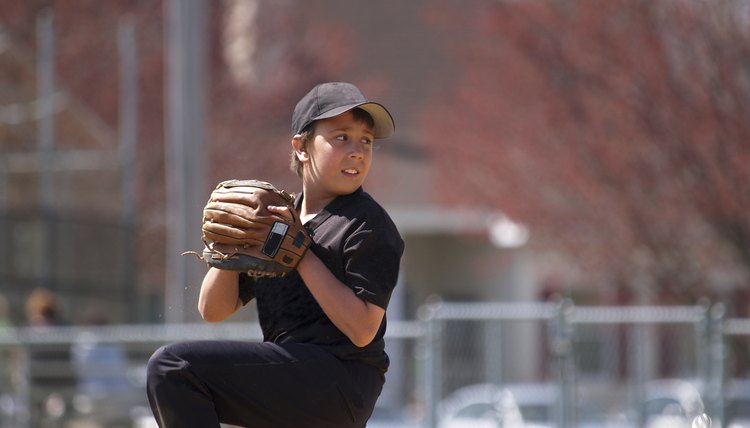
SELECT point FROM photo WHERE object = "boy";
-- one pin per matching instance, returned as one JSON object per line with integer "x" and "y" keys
{"x": 322, "y": 361}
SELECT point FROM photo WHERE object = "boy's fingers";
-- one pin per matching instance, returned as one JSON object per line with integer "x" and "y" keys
{"x": 284, "y": 211}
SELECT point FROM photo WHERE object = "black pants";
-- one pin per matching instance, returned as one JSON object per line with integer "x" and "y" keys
{"x": 202, "y": 384}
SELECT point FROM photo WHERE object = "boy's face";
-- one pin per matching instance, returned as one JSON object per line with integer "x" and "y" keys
{"x": 339, "y": 156}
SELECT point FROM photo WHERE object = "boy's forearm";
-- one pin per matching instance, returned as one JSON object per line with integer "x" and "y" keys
{"x": 219, "y": 295}
{"x": 356, "y": 318}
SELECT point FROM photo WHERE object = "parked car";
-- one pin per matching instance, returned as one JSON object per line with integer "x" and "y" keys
{"x": 539, "y": 405}
{"x": 671, "y": 403}
{"x": 480, "y": 406}
{"x": 388, "y": 417}
{"x": 537, "y": 402}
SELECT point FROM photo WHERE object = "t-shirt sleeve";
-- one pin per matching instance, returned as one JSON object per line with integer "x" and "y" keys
{"x": 372, "y": 257}
{"x": 246, "y": 288}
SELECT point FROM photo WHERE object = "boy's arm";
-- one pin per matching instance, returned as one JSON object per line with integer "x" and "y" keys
{"x": 219, "y": 295}
{"x": 356, "y": 318}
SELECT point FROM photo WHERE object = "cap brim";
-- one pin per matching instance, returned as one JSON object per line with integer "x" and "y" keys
{"x": 384, "y": 126}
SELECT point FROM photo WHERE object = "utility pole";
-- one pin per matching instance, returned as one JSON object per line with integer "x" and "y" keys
{"x": 184, "y": 127}
{"x": 128, "y": 139}
{"x": 45, "y": 79}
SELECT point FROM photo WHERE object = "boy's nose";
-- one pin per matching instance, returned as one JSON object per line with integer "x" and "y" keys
{"x": 356, "y": 151}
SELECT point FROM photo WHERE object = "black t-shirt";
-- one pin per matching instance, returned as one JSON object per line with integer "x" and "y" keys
{"x": 358, "y": 242}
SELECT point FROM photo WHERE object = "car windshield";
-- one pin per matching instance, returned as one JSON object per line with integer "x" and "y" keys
{"x": 664, "y": 406}
{"x": 478, "y": 411}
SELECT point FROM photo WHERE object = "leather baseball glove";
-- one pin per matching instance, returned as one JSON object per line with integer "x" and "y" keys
{"x": 241, "y": 234}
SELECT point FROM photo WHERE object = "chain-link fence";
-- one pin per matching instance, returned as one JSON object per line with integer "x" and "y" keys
{"x": 478, "y": 364}
{"x": 555, "y": 364}
{"x": 94, "y": 377}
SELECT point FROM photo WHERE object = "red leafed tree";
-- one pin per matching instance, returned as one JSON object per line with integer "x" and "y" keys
{"x": 246, "y": 119}
{"x": 251, "y": 98}
{"x": 619, "y": 131}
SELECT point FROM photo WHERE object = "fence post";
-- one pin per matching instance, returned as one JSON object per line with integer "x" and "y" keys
{"x": 562, "y": 351}
{"x": 716, "y": 356}
{"x": 23, "y": 401}
{"x": 638, "y": 353}
{"x": 432, "y": 378}
{"x": 703, "y": 344}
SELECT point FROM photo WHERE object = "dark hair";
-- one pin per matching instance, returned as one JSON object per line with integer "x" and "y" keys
{"x": 308, "y": 133}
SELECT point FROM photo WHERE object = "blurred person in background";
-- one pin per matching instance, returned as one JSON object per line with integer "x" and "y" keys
{"x": 42, "y": 309}
{"x": 105, "y": 396}
{"x": 5, "y": 353}
{"x": 101, "y": 366}
{"x": 7, "y": 403}
{"x": 5, "y": 320}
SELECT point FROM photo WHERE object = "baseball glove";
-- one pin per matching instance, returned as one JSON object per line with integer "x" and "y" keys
{"x": 240, "y": 233}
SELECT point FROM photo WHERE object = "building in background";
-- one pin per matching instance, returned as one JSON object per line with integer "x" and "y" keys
{"x": 80, "y": 232}
{"x": 474, "y": 91}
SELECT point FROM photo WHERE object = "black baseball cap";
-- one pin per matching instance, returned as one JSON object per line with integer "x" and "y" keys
{"x": 331, "y": 99}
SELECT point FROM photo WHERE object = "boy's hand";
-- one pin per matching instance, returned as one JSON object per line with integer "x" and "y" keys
{"x": 285, "y": 212}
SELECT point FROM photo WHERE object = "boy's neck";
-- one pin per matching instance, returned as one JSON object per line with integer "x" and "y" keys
{"x": 313, "y": 203}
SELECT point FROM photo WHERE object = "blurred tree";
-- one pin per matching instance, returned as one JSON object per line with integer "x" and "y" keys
{"x": 258, "y": 68}
{"x": 620, "y": 131}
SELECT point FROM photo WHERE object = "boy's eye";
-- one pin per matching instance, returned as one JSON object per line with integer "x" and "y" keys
{"x": 366, "y": 141}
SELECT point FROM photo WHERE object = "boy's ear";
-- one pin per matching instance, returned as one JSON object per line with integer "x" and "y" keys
{"x": 299, "y": 149}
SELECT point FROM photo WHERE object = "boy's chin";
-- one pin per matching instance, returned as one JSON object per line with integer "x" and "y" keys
{"x": 348, "y": 189}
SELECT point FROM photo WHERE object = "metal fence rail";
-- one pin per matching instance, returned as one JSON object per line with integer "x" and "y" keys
{"x": 41, "y": 387}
